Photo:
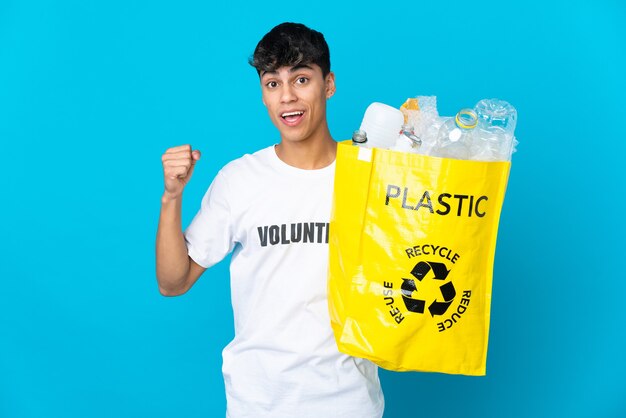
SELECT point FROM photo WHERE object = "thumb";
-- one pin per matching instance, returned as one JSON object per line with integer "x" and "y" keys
{"x": 195, "y": 156}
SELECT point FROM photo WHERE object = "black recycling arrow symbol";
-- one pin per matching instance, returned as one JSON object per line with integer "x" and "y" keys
{"x": 422, "y": 268}
{"x": 440, "y": 272}
{"x": 407, "y": 289}
{"x": 448, "y": 292}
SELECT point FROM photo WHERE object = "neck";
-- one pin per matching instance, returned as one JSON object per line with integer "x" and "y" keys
{"x": 313, "y": 153}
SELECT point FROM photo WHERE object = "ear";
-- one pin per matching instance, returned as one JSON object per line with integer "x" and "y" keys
{"x": 329, "y": 82}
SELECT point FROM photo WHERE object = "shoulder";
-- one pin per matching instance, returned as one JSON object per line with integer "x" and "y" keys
{"x": 248, "y": 164}
{"x": 247, "y": 172}
{"x": 239, "y": 179}
{"x": 244, "y": 178}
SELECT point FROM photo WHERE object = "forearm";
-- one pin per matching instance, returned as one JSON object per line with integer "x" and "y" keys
{"x": 172, "y": 261}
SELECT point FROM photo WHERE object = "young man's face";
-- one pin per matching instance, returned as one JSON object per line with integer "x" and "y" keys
{"x": 295, "y": 98}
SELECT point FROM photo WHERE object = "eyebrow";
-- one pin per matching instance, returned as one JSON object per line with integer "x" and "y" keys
{"x": 299, "y": 67}
{"x": 291, "y": 70}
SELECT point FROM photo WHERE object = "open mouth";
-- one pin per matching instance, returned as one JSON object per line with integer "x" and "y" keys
{"x": 292, "y": 118}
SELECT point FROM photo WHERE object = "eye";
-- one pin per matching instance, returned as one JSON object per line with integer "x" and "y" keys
{"x": 302, "y": 80}
{"x": 271, "y": 84}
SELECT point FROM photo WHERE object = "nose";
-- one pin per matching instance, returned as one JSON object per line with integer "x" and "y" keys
{"x": 287, "y": 93}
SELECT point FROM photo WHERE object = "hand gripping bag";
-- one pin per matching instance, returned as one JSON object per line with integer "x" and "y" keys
{"x": 412, "y": 244}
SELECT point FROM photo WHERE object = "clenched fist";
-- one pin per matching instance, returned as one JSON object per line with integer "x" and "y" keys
{"x": 178, "y": 164}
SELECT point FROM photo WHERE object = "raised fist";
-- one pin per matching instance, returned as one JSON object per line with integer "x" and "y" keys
{"x": 178, "y": 164}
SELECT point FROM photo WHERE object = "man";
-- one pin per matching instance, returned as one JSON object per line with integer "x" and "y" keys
{"x": 271, "y": 209}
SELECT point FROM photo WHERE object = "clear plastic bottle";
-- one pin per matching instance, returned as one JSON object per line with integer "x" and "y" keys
{"x": 359, "y": 137}
{"x": 494, "y": 135}
{"x": 455, "y": 136}
{"x": 407, "y": 140}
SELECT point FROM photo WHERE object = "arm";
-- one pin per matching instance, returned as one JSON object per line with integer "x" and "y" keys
{"x": 176, "y": 271}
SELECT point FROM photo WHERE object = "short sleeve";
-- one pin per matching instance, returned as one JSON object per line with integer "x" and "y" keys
{"x": 209, "y": 236}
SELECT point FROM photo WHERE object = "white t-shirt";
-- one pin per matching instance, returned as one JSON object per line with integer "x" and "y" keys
{"x": 283, "y": 361}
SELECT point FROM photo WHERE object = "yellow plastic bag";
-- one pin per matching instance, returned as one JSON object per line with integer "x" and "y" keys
{"x": 412, "y": 243}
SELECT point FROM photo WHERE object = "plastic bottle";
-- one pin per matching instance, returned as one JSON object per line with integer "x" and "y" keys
{"x": 407, "y": 140}
{"x": 455, "y": 136}
{"x": 382, "y": 124}
{"x": 359, "y": 137}
{"x": 494, "y": 136}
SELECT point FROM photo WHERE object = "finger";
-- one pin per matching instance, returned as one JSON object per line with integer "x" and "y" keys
{"x": 178, "y": 163}
{"x": 186, "y": 147}
{"x": 195, "y": 157}
{"x": 180, "y": 155}
{"x": 190, "y": 171}
{"x": 175, "y": 172}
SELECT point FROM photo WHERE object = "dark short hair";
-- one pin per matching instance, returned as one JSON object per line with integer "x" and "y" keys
{"x": 291, "y": 44}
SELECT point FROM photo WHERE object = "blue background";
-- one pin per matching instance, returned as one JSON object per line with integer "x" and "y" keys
{"x": 92, "y": 93}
